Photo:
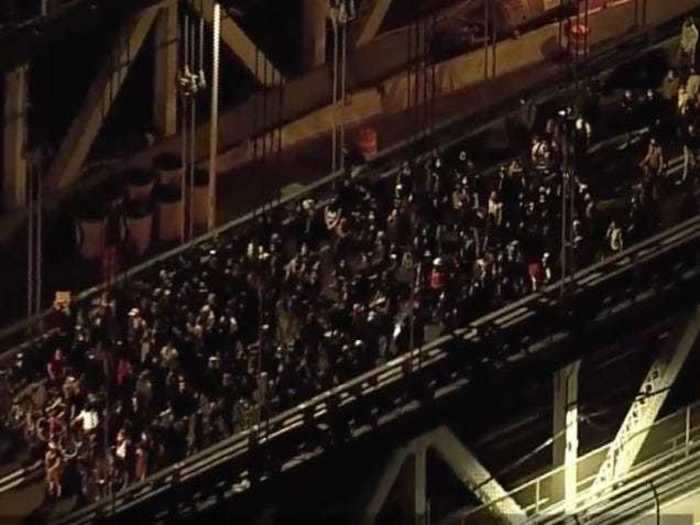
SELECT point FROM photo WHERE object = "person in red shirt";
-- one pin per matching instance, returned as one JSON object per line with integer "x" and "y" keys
{"x": 438, "y": 275}
{"x": 536, "y": 273}
{"x": 55, "y": 368}
{"x": 124, "y": 370}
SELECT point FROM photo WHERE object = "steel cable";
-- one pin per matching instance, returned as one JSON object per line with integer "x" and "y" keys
{"x": 184, "y": 68}
{"x": 193, "y": 131}
{"x": 214, "y": 128}
{"x": 343, "y": 90}
{"x": 334, "y": 140}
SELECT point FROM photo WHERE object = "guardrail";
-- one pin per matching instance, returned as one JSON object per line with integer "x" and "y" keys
{"x": 631, "y": 274}
{"x": 671, "y": 447}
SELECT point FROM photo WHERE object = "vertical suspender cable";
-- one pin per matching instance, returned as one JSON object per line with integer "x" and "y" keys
{"x": 409, "y": 40}
{"x": 494, "y": 36}
{"x": 193, "y": 131}
{"x": 214, "y": 125}
{"x": 343, "y": 89}
{"x": 334, "y": 139}
{"x": 280, "y": 113}
{"x": 200, "y": 70}
{"x": 30, "y": 241}
{"x": 572, "y": 210}
{"x": 588, "y": 29}
{"x": 30, "y": 229}
{"x": 409, "y": 86}
{"x": 257, "y": 127}
{"x": 278, "y": 137}
{"x": 433, "y": 70}
{"x": 560, "y": 26}
{"x": 106, "y": 364}
{"x": 413, "y": 79}
{"x": 418, "y": 74}
{"x": 263, "y": 134}
{"x": 487, "y": 33}
{"x": 267, "y": 136}
{"x": 264, "y": 118}
{"x": 431, "y": 77}
{"x": 420, "y": 87}
{"x": 200, "y": 79}
{"x": 184, "y": 67}
{"x": 564, "y": 221}
{"x": 427, "y": 72}
{"x": 39, "y": 219}
{"x": 426, "y": 76}
{"x": 256, "y": 102}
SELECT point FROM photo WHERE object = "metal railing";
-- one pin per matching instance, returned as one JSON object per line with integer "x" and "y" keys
{"x": 232, "y": 456}
{"x": 668, "y": 442}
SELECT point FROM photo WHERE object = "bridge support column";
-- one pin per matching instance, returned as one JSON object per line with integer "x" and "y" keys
{"x": 167, "y": 39}
{"x": 565, "y": 432}
{"x": 14, "y": 176}
{"x": 313, "y": 47}
{"x": 413, "y": 499}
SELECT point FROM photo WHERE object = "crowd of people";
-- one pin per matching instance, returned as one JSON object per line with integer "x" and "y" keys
{"x": 248, "y": 324}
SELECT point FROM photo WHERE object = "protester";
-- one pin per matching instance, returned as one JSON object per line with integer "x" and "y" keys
{"x": 688, "y": 43}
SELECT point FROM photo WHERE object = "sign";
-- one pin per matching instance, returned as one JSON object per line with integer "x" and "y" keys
{"x": 62, "y": 299}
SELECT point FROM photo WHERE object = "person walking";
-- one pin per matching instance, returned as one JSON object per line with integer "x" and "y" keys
{"x": 691, "y": 143}
{"x": 688, "y": 43}
{"x": 653, "y": 162}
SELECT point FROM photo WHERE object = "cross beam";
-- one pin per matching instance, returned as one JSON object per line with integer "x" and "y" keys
{"x": 385, "y": 483}
{"x": 411, "y": 459}
{"x": 371, "y": 21}
{"x": 74, "y": 149}
{"x": 646, "y": 406}
{"x": 240, "y": 44}
{"x": 475, "y": 476}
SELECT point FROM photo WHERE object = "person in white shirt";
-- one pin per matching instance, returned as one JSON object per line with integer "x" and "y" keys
{"x": 688, "y": 43}
{"x": 169, "y": 356}
{"x": 89, "y": 419}
{"x": 546, "y": 268}
{"x": 692, "y": 87}
{"x": 495, "y": 209}
{"x": 122, "y": 452}
{"x": 614, "y": 236}
{"x": 539, "y": 152}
